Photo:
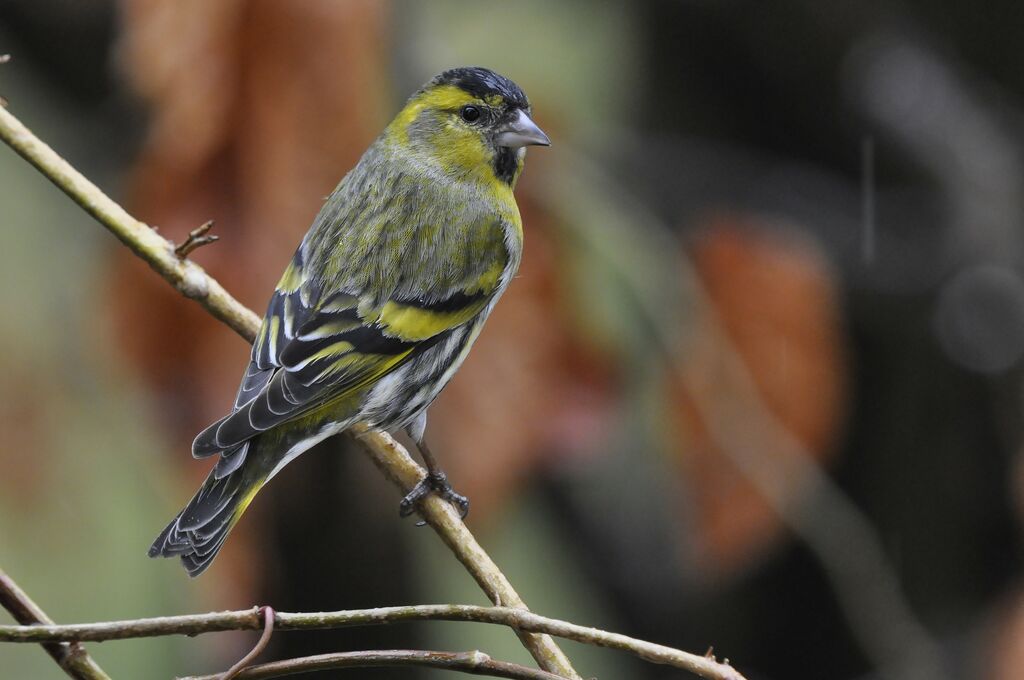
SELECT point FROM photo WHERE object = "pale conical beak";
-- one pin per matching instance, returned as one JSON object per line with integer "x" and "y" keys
{"x": 521, "y": 132}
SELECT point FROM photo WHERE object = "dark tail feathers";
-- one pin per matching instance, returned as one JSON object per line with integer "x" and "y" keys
{"x": 198, "y": 532}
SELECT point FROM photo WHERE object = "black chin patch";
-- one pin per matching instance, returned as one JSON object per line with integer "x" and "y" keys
{"x": 506, "y": 164}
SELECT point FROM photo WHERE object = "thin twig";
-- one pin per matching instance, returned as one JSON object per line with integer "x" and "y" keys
{"x": 249, "y": 619}
{"x": 70, "y": 656}
{"x": 192, "y": 281}
{"x": 198, "y": 237}
{"x": 4, "y": 58}
{"x": 474, "y": 663}
{"x": 268, "y": 630}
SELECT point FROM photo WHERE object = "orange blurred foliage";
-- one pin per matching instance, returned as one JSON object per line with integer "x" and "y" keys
{"x": 27, "y": 442}
{"x": 257, "y": 110}
{"x": 1003, "y": 652}
{"x": 775, "y": 297}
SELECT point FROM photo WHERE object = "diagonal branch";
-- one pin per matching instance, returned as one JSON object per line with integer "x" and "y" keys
{"x": 70, "y": 655}
{"x": 474, "y": 663}
{"x": 193, "y": 282}
{"x": 251, "y": 619}
{"x": 186, "y": 276}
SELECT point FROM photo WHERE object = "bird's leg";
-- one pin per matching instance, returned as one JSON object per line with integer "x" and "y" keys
{"x": 436, "y": 481}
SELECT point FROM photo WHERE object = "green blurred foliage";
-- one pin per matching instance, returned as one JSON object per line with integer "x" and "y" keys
{"x": 84, "y": 477}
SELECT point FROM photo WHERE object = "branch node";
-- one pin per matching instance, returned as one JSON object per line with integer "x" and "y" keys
{"x": 477, "y": 658}
{"x": 269, "y": 616}
{"x": 197, "y": 238}
{"x": 194, "y": 284}
{"x": 73, "y": 655}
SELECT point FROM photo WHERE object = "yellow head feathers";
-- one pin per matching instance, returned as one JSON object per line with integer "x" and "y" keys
{"x": 472, "y": 122}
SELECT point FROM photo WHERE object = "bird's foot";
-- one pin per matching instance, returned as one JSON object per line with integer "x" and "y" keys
{"x": 437, "y": 482}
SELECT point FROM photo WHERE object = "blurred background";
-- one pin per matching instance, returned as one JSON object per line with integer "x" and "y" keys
{"x": 758, "y": 385}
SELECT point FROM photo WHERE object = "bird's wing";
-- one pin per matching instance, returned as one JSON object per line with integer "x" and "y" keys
{"x": 307, "y": 356}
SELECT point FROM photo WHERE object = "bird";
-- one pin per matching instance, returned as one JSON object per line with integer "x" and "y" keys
{"x": 381, "y": 302}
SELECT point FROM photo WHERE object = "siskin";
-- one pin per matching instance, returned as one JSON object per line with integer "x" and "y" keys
{"x": 380, "y": 303}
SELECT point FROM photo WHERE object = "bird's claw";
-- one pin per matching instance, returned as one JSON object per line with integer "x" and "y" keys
{"x": 437, "y": 482}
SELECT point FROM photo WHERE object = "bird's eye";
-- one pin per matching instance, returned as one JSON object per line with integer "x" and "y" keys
{"x": 470, "y": 113}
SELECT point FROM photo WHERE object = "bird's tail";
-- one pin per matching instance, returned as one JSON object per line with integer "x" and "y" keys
{"x": 198, "y": 532}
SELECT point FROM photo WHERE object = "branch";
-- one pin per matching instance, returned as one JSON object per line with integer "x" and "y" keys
{"x": 69, "y": 655}
{"x": 4, "y": 58}
{"x": 193, "y": 282}
{"x": 474, "y": 663}
{"x": 251, "y": 619}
